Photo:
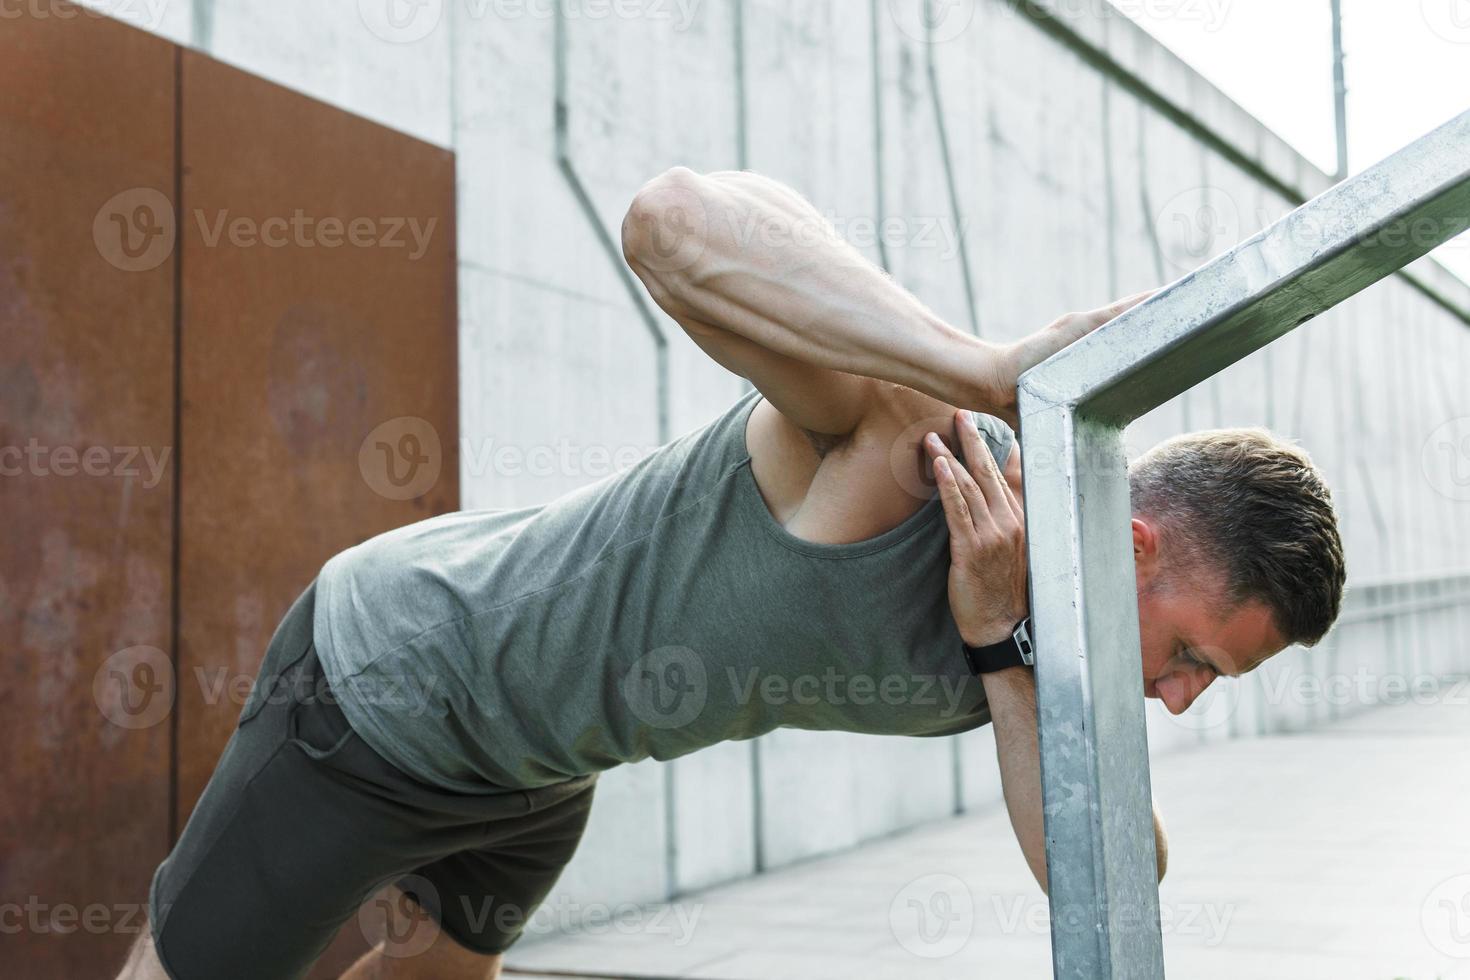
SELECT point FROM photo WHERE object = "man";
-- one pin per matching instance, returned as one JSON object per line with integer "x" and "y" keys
{"x": 435, "y": 709}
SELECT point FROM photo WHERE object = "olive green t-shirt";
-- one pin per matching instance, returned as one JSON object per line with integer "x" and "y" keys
{"x": 652, "y": 613}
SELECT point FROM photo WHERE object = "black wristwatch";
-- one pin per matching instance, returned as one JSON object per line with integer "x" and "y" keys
{"x": 1014, "y": 651}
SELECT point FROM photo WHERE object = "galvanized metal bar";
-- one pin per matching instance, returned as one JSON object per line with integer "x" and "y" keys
{"x": 1325, "y": 251}
{"x": 1094, "y": 750}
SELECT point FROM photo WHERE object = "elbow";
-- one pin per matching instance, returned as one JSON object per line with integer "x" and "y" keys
{"x": 664, "y": 231}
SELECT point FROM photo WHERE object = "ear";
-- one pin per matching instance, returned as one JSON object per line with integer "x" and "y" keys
{"x": 1145, "y": 550}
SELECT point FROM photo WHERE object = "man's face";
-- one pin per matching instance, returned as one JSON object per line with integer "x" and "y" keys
{"x": 1188, "y": 635}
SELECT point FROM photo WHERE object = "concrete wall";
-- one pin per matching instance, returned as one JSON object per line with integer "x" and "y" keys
{"x": 1021, "y": 160}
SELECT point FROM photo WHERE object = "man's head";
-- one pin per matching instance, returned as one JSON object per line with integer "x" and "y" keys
{"x": 1237, "y": 554}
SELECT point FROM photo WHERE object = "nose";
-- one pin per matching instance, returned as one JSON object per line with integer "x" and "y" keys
{"x": 1180, "y": 689}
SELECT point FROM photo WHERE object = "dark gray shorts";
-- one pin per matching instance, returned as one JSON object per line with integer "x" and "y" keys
{"x": 302, "y": 822}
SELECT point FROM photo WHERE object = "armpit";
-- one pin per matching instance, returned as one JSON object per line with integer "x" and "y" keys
{"x": 824, "y": 442}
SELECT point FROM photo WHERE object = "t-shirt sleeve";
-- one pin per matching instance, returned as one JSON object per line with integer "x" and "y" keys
{"x": 998, "y": 436}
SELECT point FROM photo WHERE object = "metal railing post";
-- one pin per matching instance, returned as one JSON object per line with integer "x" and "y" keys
{"x": 1073, "y": 407}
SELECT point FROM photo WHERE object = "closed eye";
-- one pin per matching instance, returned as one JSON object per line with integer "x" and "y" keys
{"x": 1189, "y": 658}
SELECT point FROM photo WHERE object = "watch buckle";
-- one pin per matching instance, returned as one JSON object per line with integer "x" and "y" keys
{"x": 1022, "y": 638}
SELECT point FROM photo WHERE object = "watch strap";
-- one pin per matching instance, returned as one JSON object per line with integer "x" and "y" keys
{"x": 1015, "y": 650}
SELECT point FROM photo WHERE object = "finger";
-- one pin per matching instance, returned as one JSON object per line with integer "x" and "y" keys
{"x": 969, "y": 489}
{"x": 1116, "y": 309}
{"x": 1016, "y": 507}
{"x": 956, "y": 510}
{"x": 1015, "y": 502}
{"x": 982, "y": 467}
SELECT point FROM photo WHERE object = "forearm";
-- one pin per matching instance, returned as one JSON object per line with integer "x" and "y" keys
{"x": 987, "y": 595}
{"x": 739, "y": 252}
{"x": 1011, "y": 695}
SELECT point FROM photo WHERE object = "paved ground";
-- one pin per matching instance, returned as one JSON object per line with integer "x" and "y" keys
{"x": 1343, "y": 853}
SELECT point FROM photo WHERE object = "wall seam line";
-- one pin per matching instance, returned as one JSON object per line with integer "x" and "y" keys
{"x": 176, "y": 542}
{"x": 942, "y": 130}
{"x": 569, "y": 171}
{"x": 879, "y": 173}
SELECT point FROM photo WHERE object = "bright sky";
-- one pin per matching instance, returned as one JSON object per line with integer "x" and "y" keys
{"x": 1408, "y": 70}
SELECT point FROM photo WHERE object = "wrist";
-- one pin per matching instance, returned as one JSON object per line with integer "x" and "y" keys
{"x": 984, "y": 637}
{"x": 996, "y": 631}
{"x": 978, "y": 381}
{"x": 1011, "y": 691}
{"x": 1015, "y": 650}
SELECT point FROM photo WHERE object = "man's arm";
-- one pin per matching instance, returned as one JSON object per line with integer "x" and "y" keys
{"x": 764, "y": 284}
{"x": 1011, "y": 694}
{"x": 987, "y": 592}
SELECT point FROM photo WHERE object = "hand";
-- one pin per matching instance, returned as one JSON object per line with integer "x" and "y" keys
{"x": 987, "y": 538}
{"x": 1016, "y": 359}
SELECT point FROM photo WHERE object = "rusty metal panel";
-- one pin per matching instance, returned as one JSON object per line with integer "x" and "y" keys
{"x": 86, "y": 484}
{"x": 319, "y": 366}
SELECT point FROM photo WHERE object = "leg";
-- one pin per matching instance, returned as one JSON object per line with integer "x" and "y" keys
{"x": 400, "y": 955}
{"x": 300, "y": 824}
{"x": 394, "y": 957}
{"x": 455, "y": 917}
